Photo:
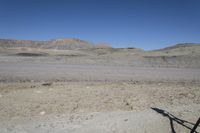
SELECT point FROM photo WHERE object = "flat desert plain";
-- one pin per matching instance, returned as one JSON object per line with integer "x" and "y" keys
{"x": 98, "y": 91}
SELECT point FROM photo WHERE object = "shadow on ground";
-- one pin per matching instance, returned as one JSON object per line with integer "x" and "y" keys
{"x": 181, "y": 122}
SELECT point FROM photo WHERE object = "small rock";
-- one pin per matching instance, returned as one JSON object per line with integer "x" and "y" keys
{"x": 33, "y": 86}
{"x": 125, "y": 119}
{"x": 47, "y": 84}
{"x": 1, "y": 95}
{"x": 38, "y": 106}
{"x": 42, "y": 113}
{"x": 38, "y": 91}
{"x": 191, "y": 95}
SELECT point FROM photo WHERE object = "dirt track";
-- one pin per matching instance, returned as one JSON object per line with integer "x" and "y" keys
{"x": 12, "y": 72}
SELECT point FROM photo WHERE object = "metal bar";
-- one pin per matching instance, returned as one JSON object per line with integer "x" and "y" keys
{"x": 195, "y": 126}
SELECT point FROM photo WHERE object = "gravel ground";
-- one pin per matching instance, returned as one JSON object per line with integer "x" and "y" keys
{"x": 82, "y": 95}
{"x": 88, "y": 107}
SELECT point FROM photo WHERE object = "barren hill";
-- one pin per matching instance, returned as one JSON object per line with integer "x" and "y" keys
{"x": 51, "y": 44}
{"x": 76, "y": 51}
{"x": 182, "y": 45}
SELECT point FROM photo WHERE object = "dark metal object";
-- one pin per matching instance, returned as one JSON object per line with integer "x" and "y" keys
{"x": 195, "y": 126}
{"x": 173, "y": 118}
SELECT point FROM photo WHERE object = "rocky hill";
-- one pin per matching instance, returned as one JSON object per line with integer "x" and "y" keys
{"x": 50, "y": 44}
{"x": 182, "y": 46}
{"x": 76, "y": 51}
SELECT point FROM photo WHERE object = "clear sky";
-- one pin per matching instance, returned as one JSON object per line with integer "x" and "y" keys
{"x": 147, "y": 24}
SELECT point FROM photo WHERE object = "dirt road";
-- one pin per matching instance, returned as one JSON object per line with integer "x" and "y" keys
{"x": 65, "y": 72}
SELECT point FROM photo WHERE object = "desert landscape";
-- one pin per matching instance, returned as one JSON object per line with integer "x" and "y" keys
{"x": 74, "y": 86}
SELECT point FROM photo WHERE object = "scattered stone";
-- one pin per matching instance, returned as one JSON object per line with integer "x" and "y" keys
{"x": 38, "y": 106}
{"x": 1, "y": 95}
{"x": 38, "y": 91}
{"x": 47, "y": 84}
{"x": 125, "y": 119}
{"x": 33, "y": 86}
{"x": 42, "y": 113}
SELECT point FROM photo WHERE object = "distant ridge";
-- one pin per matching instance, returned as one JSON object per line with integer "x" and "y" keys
{"x": 180, "y": 45}
{"x": 69, "y": 43}
{"x": 74, "y": 43}
{"x": 76, "y": 51}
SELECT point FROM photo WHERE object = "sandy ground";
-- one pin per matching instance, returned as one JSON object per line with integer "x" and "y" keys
{"x": 88, "y": 107}
{"x": 99, "y": 91}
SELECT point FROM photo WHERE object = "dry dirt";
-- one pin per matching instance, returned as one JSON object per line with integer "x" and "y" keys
{"x": 96, "y": 107}
{"x": 99, "y": 91}
{"x": 21, "y": 72}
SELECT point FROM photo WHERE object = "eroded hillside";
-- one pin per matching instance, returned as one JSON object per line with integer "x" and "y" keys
{"x": 75, "y": 51}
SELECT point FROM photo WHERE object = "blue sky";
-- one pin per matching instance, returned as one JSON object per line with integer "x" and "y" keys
{"x": 147, "y": 24}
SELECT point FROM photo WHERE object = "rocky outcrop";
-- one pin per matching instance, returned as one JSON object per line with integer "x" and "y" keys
{"x": 51, "y": 44}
